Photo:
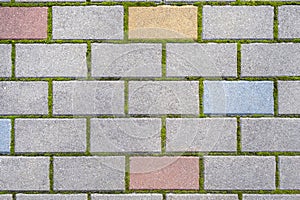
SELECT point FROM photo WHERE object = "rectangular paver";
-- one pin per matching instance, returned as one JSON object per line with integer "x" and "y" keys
{"x": 270, "y": 134}
{"x": 6, "y": 197}
{"x": 238, "y": 97}
{"x": 288, "y": 22}
{"x": 280, "y": 59}
{"x": 126, "y": 60}
{"x": 88, "y": 97}
{"x": 5, "y": 60}
{"x": 50, "y": 135}
{"x": 127, "y": 196}
{"x": 51, "y": 196}
{"x": 5, "y": 133}
{"x": 163, "y": 97}
{"x": 89, "y": 173}
{"x": 51, "y": 60}
{"x": 146, "y": 22}
{"x": 271, "y": 196}
{"x": 23, "y": 22}
{"x": 193, "y": 59}
{"x": 24, "y": 173}
{"x": 202, "y": 197}
{"x": 23, "y": 97}
{"x": 289, "y": 172}
{"x": 214, "y": 134}
{"x": 164, "y": 173}
{"x": 237, "y": 22}
{"x": 289, "y": 97}
{"x": 125, "y": 135}
{"x": 87, "y": 22}
{"x": 239, "y": 173}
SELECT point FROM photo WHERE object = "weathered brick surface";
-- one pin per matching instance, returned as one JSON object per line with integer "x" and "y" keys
{"x": 24, "y": 173}
{"x": 125, "y": 135}
{"x": 88, "y": 97}
{"x": 163, "y": 97}
{"x": 5, "y": 133}
{"x": 51, "y": 196}
{"x": 89, "y": 173}
{"x": 270, "y": 134}
{"x": 215, "y": 134}
{"x": 23, "y": 22}
{"x": 127, "y": 196}
{"x": 289, "y": 172}
{"x": 20, "y": 98}
{"x": 239, "y": 173}
{"x": 289, "y": 22}
{"x": 271, "y": 196}
{"x": 237, "y": 22}
{"x": 194, "y": 59}
{"x": 281, "y": 59}
{"x": 51, "y": 60}
{"x": 5, "y": 60}
{"x": 126, "y": 60}
{"x": 289, "y": 97}
{"x": 87, "y": 22}
{"x": 202, "y": 196}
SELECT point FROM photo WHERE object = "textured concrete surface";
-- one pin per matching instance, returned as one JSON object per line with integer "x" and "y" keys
{"x": 5, "y": 61}
{"x": 271, "y": 196}
{"x": 202, "y": 197}
{"x": 288, "y": 22}
{"x": 51, "y": 196}
{"x": 289, "y": 97}
{"x": 127, "y": 196}
{"x": 289, "y": 172}
{"x": 5, "y": 133}
{"x": 5, "y": 197}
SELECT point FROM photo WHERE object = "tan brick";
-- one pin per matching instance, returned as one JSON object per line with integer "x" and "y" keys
{"x": 162, "y": 22}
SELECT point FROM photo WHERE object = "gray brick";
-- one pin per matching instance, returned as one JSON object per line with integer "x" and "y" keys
{"x": 49, "y": 0}
{"x": 237, "y": 22}
{"x": 270, "y": 134}
{"x": 89, "y": 173}
{"x": 50, "y": 135}
{"x": 127, "y": 196}
{"x": 289, "y": 22}
{"x": 20, "y": 98}
{"x": 51, "y": 60}
{"x": 194, "y": 59}
{"x": 87, "y": 22}
{"x": 5, "y": 60}
{"x": 289, "y": 172}
{"x": 51, "y": 197}
{"x": 125, "y": 135}
{"x": 280, "y": 59}
{"x": 164, "y": 97}
{"x": 5, "y": 133}
{"x": 202, "y": 197}
{"x": 238, "y": 97}
{"x": 5, "y": 197}
{"x": 211, "y": 134}
{"x": 239, "y": 173}
{"x": 24, "y": 173}
{"x": 271, "y": 196}
{"x": 289, "y": 97}
{"x": 88, "y": 97}
{"x": 126, "y": 60}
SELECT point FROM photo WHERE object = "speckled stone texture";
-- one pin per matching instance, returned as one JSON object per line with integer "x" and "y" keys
{"x": 127, "y": 196}
{"x": 5, "y": 61}
{"x": 289, "y": 172}
{"x": 289, "y": 97}
{"x": 51, "y": 196}
{"x": 289, "y": 22}
{"x": 271, "y": 196}
{"x": 6, "y": 197}
{"x": 5, "y": 133}
{"x": 202, "y": 197}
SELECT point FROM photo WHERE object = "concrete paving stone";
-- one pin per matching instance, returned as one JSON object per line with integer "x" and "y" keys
{"x": 51, "y": 197}
{"x": 126, "y": 135}
{"x": 24, "y": 173}
{"x": 163, "y": 97}
{"x": 271, "y": 196}
{"x": 23, "y": 97}
{"x": 289, "y": 172}
{"x": 87, "y": 22}
{"x": 50, "y": 135}
{"x": 51, "y": 60}
{"x": 89, "y": 173}
{"x": 237, "y": 22}
{"x": 194, "y": 59}
{"x": 5, "y": 132}
{"x": 6, "y": 197}
{"x": 180, "y": 22}
{"x": 239, "y": 173}
{"x": 127, "y": 196}
{"x": 289, "y": 97}
{"x": 211, "y": 134}
{"x": 88, "y": 97}
{"x": 202, "y": 197}
{"x": 28, "y": 1}
{"x": 270, "y": 134}
{"x": 288, "y": 22}
{"x": 164, "y": 173}
{"x": 126, "y": 60}
{"x": 5, "y": 60}
{"x": 238, "y": 97}
{"x": 23, "y": 22}
{"x": 264, "y": 60}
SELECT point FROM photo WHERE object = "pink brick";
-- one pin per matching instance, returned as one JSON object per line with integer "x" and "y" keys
{"x": 23, "y": 22}
{"x": 164, "y": 173}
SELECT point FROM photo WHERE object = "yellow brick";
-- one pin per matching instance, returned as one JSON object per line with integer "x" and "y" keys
{"x": 162, "y": 22}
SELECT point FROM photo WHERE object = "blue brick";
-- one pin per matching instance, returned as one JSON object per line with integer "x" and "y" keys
{"x": 5, "y": 128}
{"x": 238, "y": 97}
